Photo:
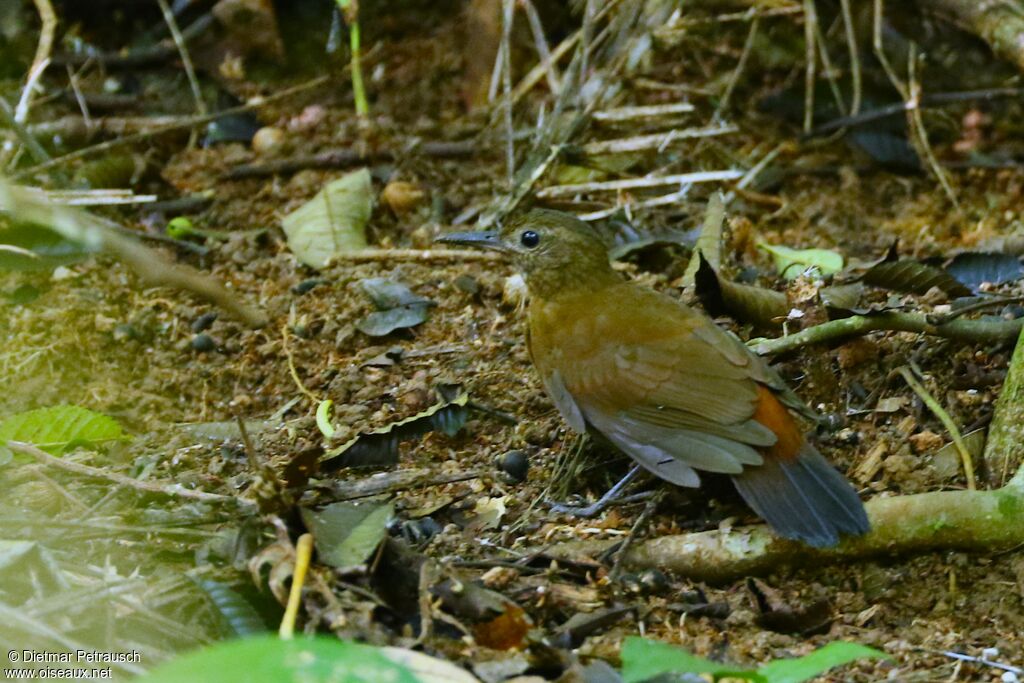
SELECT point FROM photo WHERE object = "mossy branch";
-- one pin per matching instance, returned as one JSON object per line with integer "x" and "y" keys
{"x": 969, "y": 331}
{"x": 961, "y": 520}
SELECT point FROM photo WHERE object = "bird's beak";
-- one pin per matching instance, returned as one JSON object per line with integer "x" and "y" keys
{"x": 485, "y": 239}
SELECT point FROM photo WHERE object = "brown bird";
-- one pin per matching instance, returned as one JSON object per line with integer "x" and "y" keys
{"x": 664, "y": 384}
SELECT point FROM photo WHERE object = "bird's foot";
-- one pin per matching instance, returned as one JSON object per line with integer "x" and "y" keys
{"x": 614, "y": 495}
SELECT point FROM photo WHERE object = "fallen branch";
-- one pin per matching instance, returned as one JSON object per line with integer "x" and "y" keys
{"x": 970, "y": 331}
{"x": 962, "y": 520}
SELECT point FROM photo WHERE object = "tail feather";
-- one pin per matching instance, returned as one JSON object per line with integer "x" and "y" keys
{"x": 804, "y": 498}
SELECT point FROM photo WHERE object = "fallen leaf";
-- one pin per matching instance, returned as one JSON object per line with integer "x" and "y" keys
{"x": 332, "y": 222}
{"x": 791, "y": 263}
{"x": 347, "y": 533}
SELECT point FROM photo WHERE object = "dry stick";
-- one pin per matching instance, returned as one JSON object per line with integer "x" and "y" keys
{"x": 508, "y": 13}
{"x": 186, "y": 61}
{"x": 42, "y": 57}
{"x": 635, "y": 183}
{"x": 734, "y": 78}
{"x": 810, "y": 20}
{"x": 927, "y": 99}
{"x": 851, "y": 44}
{"x": 166, "y": 488}
{"x": 947, "y": 422}
{"x": 414, "y": 255}
{"x": 541, "y": 44}
{"x": 9, "y": 120}
{"x": 917, "y": 124}
{"x": 178, "y": 125}
{"x": 393, "y": 482}
{"x": 658, "y": 141}
{"x": 969, "y": 331}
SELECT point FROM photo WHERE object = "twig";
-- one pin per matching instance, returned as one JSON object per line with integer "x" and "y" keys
{"x": 40, "y": 61}
{"x": 178, "y": 125}
{"x": 851, "y": 45}
{"x": 647, "y": 111}
{"x": 940, "y": 318}
{"x": 661, "y": 200}
{"x": 186, "y": 61}
{"x": 393, "y": 482}
{"x": 917, "y": 125}
{"x": 349, "y": 156}
{"x": 292, "y": 369}
{"x": 658, "y": 141}
{"x": 508, "y": 8}
{"x": 810, "y": 21}
{"x": 627, "y": 542}
{"x": 541, "y": 43}
{"x": 947, "y": 422}
{"x": 414, "y": 255}
{"x": 925, "y": 100}
{"x": 734, "y": 78}
{"x": 166, "y": 488}
{"x": 139, "y": 58}
{"x": 970, "y": 331}
{"x": 636, "y": 183}
{"x": 9, "y": 120}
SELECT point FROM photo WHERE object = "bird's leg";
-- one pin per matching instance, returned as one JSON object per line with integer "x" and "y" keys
{"x": 602, "y": 503}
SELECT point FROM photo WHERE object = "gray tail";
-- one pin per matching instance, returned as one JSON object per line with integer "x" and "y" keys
{"x": 805, "y": 499}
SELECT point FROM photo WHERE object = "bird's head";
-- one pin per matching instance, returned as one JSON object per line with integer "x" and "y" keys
{"x": 555, "y": 250}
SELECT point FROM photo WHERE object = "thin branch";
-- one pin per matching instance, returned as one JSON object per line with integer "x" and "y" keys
{"x": 810, "y": 21}
{"x": 186, "y": 61}
{"x": 166, "y": 488}
{"x": 48, "y": 19}
{"x": 851, "y": 44}
{"x": 637, "y": 183}
{"x": 178, "y": 125}
{"x": 415, "y": 255}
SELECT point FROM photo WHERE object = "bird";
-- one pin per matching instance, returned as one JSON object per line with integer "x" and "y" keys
{"x": 664, "y": 384}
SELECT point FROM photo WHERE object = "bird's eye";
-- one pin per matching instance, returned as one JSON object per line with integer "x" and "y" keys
{"x": 529, "y": 239}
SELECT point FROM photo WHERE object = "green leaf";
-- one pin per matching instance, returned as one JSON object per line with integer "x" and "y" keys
{"x": 792, "y": 262}
{"x": 28, "y": 247}
{"x": 332, "y": 222}
{"x": 347, "y": 533}
{"x": 267, "y": 659}
{"x": 818, "y": 662}
{"x": 643, "y": 659}
{"x": 57, "y": 427}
